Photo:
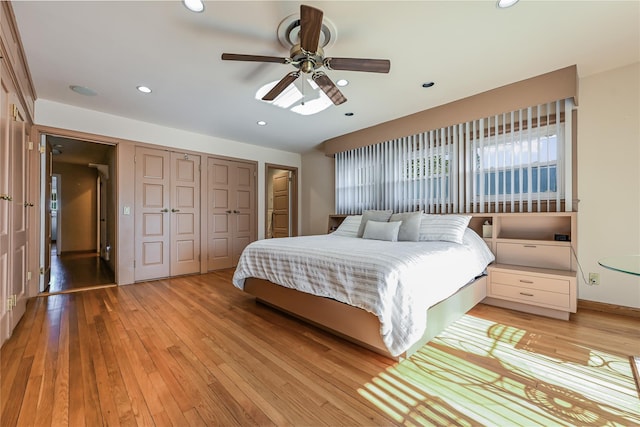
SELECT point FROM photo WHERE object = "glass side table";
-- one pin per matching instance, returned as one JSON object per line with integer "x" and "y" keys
{"x": 629, "y": 264}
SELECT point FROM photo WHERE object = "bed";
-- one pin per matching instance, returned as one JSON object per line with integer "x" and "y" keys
{"x": 388, "y": 296}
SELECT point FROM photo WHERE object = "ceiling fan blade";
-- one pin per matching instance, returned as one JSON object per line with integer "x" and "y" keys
{"x": 329, "y": 88}
{"x": 253, "y": 58}
{"x": 281, "y": 86}
{"x": 310, "y": 27}
{"x": 358, "y": 64}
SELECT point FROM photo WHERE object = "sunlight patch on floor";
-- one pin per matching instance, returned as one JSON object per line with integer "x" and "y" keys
{"x": 478, "y": 371}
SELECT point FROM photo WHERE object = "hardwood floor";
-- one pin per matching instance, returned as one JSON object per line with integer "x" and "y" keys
{"x": 78, "y": 270}
{"x": 197, "y": 351}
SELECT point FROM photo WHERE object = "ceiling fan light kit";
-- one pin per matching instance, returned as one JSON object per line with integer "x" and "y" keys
{"x": 194, "y": 5}
{"x": 307, "y": 57}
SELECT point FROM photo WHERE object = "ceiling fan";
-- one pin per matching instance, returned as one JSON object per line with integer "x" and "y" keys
{"x": 307, "y": 56}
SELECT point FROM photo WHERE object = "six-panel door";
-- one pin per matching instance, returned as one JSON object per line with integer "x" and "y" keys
{"x": 152, "y": 233}
{"x": 230, "y": 211}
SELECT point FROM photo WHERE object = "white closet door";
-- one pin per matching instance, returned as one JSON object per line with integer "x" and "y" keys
{"x": 20, "y": 206}
{"x": 152, "y": 214}
{"x": 231, "y": 211}
{"x": 185, "y": 214}
{"x": 243, "y": 221}
{"x": 5, "y": 209}
{"x": 219, "y": 214}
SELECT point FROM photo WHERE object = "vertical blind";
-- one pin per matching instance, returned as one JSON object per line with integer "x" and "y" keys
{"x": 518, "y": 161}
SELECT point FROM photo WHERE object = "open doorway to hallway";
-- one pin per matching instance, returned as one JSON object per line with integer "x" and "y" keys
{"x": 80, "y": 199}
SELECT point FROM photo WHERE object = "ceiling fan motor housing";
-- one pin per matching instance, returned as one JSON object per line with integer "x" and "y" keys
{"x": 307, "y": 62}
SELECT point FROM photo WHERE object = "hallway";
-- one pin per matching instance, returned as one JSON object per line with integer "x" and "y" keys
{"x": 78, "y": 270}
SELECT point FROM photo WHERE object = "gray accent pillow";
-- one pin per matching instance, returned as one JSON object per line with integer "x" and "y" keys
{"x": 349, "y": 227}
{"x": 370, "y": 215}
{"x": 448, "y": 228}
{"x": 410, "y": 228}
{"x": 377, "y": 230}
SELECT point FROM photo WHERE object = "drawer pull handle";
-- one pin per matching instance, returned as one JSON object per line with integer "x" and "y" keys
{"x": 526, "y": 281}
{"x": 526, "y": 294}
{"x": 530, "y": 246}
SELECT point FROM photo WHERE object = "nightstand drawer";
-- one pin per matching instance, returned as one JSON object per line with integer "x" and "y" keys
{"x": 531, "y": 296}
{"x": 530, "y": 282}
{"x": 534, "y": 255}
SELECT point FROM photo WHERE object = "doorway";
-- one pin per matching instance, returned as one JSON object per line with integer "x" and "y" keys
{"x": 79, "y": 195}
{"x": 281, "y": 201}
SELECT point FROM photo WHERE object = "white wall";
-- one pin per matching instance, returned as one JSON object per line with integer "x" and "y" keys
{"x": 49, "y": 113}
{"x": 609, "y": 181}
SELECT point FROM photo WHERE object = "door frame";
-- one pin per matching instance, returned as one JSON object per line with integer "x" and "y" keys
{"x": 268, "y": 167}
{"x": 39, "y": 134}
{"x": 58, "y": 212}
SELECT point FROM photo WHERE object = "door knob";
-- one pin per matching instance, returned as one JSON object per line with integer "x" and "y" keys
{"x": 236, "y": 212}
{"x": 175, "y": 210}
{"x": 164, "y": 210}
{"x": 28, "y": 204}
{"x": 6, "y": 197}
{"x": 228, "y": 212}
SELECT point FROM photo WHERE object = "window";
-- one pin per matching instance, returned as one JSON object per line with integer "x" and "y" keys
{"x": 54, "y": 202}
{"x": 506, "y": 163}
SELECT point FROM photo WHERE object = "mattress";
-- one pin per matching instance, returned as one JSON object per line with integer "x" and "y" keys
{"x": 396, "y": 281}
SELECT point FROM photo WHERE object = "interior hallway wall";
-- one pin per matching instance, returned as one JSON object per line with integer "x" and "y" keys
{"x": 77, "y": 197}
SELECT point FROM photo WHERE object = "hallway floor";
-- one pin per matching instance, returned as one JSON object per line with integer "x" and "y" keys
{"x": 78, "y": 270}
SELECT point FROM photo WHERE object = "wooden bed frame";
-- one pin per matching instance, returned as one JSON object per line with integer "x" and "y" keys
{"x": 358, "y": 325}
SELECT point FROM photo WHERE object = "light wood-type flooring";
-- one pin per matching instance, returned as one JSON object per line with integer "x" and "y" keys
{"x": 77, "y": 270}
{"x": 197, "y": 351}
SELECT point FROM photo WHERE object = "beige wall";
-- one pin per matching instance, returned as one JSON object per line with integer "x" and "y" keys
{"x": 609, "y": 181}
{"x": 317, "y": 188}
{"x": 77, "y": 207}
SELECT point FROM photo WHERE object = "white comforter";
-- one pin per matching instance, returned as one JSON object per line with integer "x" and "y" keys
{"x": 396, "y": 281}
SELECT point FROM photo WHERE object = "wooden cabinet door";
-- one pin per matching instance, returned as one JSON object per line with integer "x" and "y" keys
{"x": 21, "y": 207}
{"x": 152, "y": 232}
{"x": 5, "y": 208}
{"x": 185, "y": 214}
{"x": 231, "y": 211}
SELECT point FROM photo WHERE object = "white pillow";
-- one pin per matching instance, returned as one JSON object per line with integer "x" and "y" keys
{"x": 376, "y": 230}
{"x": 349, "y": 227}
{"x": 371, "y": 215}
{"x": 448, "y": 228}
{"x": 410, "y": 228}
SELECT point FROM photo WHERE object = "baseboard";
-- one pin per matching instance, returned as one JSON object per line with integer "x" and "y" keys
{"x": 608, "y": 308}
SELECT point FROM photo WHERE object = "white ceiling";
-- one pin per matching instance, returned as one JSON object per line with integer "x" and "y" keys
{"x": 465, "y": 47}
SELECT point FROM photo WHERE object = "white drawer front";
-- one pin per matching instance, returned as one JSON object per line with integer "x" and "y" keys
{"x": 532, "y": 282}
{"x": 531, "y": 296}
{"x": 534, "y": 255}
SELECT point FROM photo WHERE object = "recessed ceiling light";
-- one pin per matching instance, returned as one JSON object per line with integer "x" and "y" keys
{"x": 143, "y": 89}
{"x": 503, "y": 4}
{"x": 82, "y": 90}
{"x": 261, "y": 123}
{"x": 342, "y": 82}
{"x": 194, "y": 5}
{"x": 428, "y": 84}
{"x": 348, "y": 114}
